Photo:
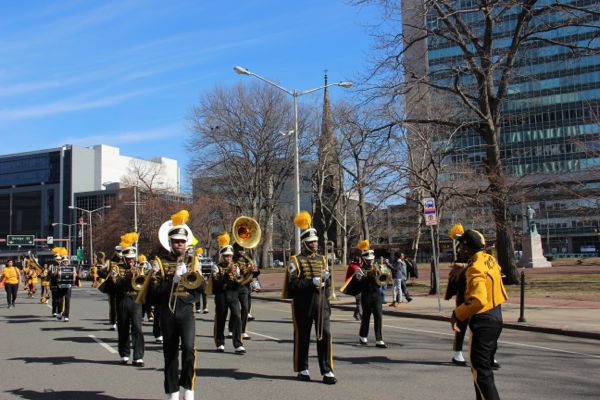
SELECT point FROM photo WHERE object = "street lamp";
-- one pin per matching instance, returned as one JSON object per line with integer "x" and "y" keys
{"x": 89, "y": 213}
{"x": 295, "y": 94}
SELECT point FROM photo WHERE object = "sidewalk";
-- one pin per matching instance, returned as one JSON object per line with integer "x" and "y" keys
{"x": 546, "y": 315}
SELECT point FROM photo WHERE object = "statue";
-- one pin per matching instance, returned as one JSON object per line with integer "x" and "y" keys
{"x": 530, "y": 221}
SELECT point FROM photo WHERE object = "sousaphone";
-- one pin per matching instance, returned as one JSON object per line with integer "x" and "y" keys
{"x": 246, "y": 232}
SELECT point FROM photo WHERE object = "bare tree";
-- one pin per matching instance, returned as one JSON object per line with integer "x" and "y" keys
{"x": 237, "y": 142}
{"x": 480, "y": 73}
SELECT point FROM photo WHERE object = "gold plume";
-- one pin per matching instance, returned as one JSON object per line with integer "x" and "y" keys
{"x": 363, "y": 245}
{"x": 142, "y": 258}
{"x": 180, "y": 218}
{"x": 199, "y": 251}
{"x": 303, "y": 220}
{"x": 56, "y": 250}
{"x": 456, "y": 231}
{"x": 130, "y": 237}
{"x": 223, "y": 239}
{"x": 63, "y": 251}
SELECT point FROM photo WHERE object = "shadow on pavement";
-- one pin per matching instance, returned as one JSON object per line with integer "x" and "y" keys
{"x": 68, "y": 327}
{"x": 25, "y": 320}
{"x": 61, "y": 361}
{"x": 63, "y": 395}
{"x": 239, "y": 375}
{"x": 386, "y": 360}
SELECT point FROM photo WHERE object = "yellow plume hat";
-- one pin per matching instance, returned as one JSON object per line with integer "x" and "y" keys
{"x": 180, "y": 217}
{"x": 303, "y": 220}
{"x": 223, "y": 239}
{"x": 363, "y": 245}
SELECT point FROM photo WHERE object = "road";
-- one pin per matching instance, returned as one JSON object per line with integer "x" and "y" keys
{"x": 48, "y": 359}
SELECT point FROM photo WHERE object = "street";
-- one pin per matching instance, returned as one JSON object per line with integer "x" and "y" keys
{"x": 49, "y": 359}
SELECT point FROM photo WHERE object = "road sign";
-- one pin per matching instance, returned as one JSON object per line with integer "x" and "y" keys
{"x": 430, "y": 219}
{"x": 50, "y": 240}
{"x": 20, "y": 240}
{"x": 429, "y": 205}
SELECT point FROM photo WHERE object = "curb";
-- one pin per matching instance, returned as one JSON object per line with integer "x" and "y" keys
{"x": 509, "y": 325}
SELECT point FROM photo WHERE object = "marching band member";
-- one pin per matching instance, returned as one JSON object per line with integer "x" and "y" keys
{"x": 110, "y": 270}
{"x": 247, "y": 267}
{"x": 308, "y": 284}
{"x": 484, "y": 295}
{"x": 45, "y": 290}
{"x": 176, "y": 302}
{"x": 225, "y": 286}
{"x": 11, "y": 277}
{"x": 129, "y": 313}
{"x": 368, "y": 278}
{"x": 53, "y": 273}
{"x": 63, "y": 293}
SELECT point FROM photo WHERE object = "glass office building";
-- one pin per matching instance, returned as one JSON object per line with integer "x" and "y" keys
{"x": 550, "y": 137}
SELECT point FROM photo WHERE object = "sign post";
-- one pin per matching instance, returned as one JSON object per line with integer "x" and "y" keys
{"x": 430, "y": 213}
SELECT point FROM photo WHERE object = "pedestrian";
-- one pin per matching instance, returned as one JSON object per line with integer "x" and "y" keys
{"x": 397, "y": 267}
{"x": 404, "y": 277}
{"x": 11, "y": 276}
{"x": 484, "y": 296}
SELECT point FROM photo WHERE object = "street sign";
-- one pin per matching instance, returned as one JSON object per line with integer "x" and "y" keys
{"x": 430, "y": 219}
{"x": 429, "y": 205}
{"x": 20, "y": 240}
{"x": 50, "y": 240}
{"x": 430, "y": 211}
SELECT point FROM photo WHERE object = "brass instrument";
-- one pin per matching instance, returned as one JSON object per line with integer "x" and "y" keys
{"x": 189, "y": 280}
{"x": 246, "y": 232}
{"x": 380, "y": 275}
{"x": 137, "y": 280}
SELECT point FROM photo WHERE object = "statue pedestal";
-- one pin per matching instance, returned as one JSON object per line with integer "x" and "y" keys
{"x": 533, "y": 255}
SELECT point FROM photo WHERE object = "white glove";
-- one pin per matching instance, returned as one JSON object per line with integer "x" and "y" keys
{"x": 325, "y": 275}
{"x": 114, "y": 272}
{"x": 181, "y": 269}
{"x": 317, "y": 281}
{"x": 214, "y": 269}
{"x": 359, "y": 274}
{"x": 155, "y": 266}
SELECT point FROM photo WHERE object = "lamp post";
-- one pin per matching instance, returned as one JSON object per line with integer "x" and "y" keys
{"x": 89, "y": 213}
{"x": 295, "y": 94}
{"x": 69, "y": 233}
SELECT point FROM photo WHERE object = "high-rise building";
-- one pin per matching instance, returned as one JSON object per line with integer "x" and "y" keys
{"x": 550, "y": 131}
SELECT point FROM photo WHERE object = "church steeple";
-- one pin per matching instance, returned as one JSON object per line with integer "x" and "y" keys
{"x": 327, "y": 176}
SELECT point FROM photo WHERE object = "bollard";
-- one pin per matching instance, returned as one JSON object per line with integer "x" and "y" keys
{"x": 522, "y": 313}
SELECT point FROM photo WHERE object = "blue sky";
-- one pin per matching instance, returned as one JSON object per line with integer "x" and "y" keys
{"x": 127, "y": 73}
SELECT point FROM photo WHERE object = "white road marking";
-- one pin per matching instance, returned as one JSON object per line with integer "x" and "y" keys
{"x": 500, "y": 341}
{"x": 101, "y": 343}
{"x": 265, "y": 336}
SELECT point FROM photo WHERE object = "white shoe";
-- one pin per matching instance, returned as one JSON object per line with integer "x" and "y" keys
{"x": 66, "y": 319}
{"x": 124, "y": 360}
{"x": 246, "y": 336}
{"x": 240, "y": 350}
{"x": 150, "y": 319}
{"x": 205, "y": 311}
{"x": 229, "y": 335}
{"x": 220, "y": 348}
{"x": 159, "y": 339}
{"x": 363, "y": 340}
{"x": 173, "y": 396}
{"x": 113, "y": 327}
{"x": 188, "y": 394}
{"x": 59, "y": 316}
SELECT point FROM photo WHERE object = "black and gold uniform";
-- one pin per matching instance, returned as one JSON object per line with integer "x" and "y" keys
{"x": 45, "y": 278}
{"x": 225, "y": 286}
{"x": 107, "y": 274}
{"x": 63, "y": 295}
{"x": 308, "y": 284}
{"x": 484, "y": 295}
{"x": 175, "y": 302}
{"x": 248, "y": 272}
{"x": 129, "y": 313}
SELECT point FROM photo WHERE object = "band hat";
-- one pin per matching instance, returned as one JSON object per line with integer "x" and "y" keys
{"x": 176, "y": 229}
{"x": 130, "y": 252}
{"x": 226, "y": 250}
{"x": 303, "y": 221}
{"x": 473, "y": 239}
{"x": 368, "y": 254}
